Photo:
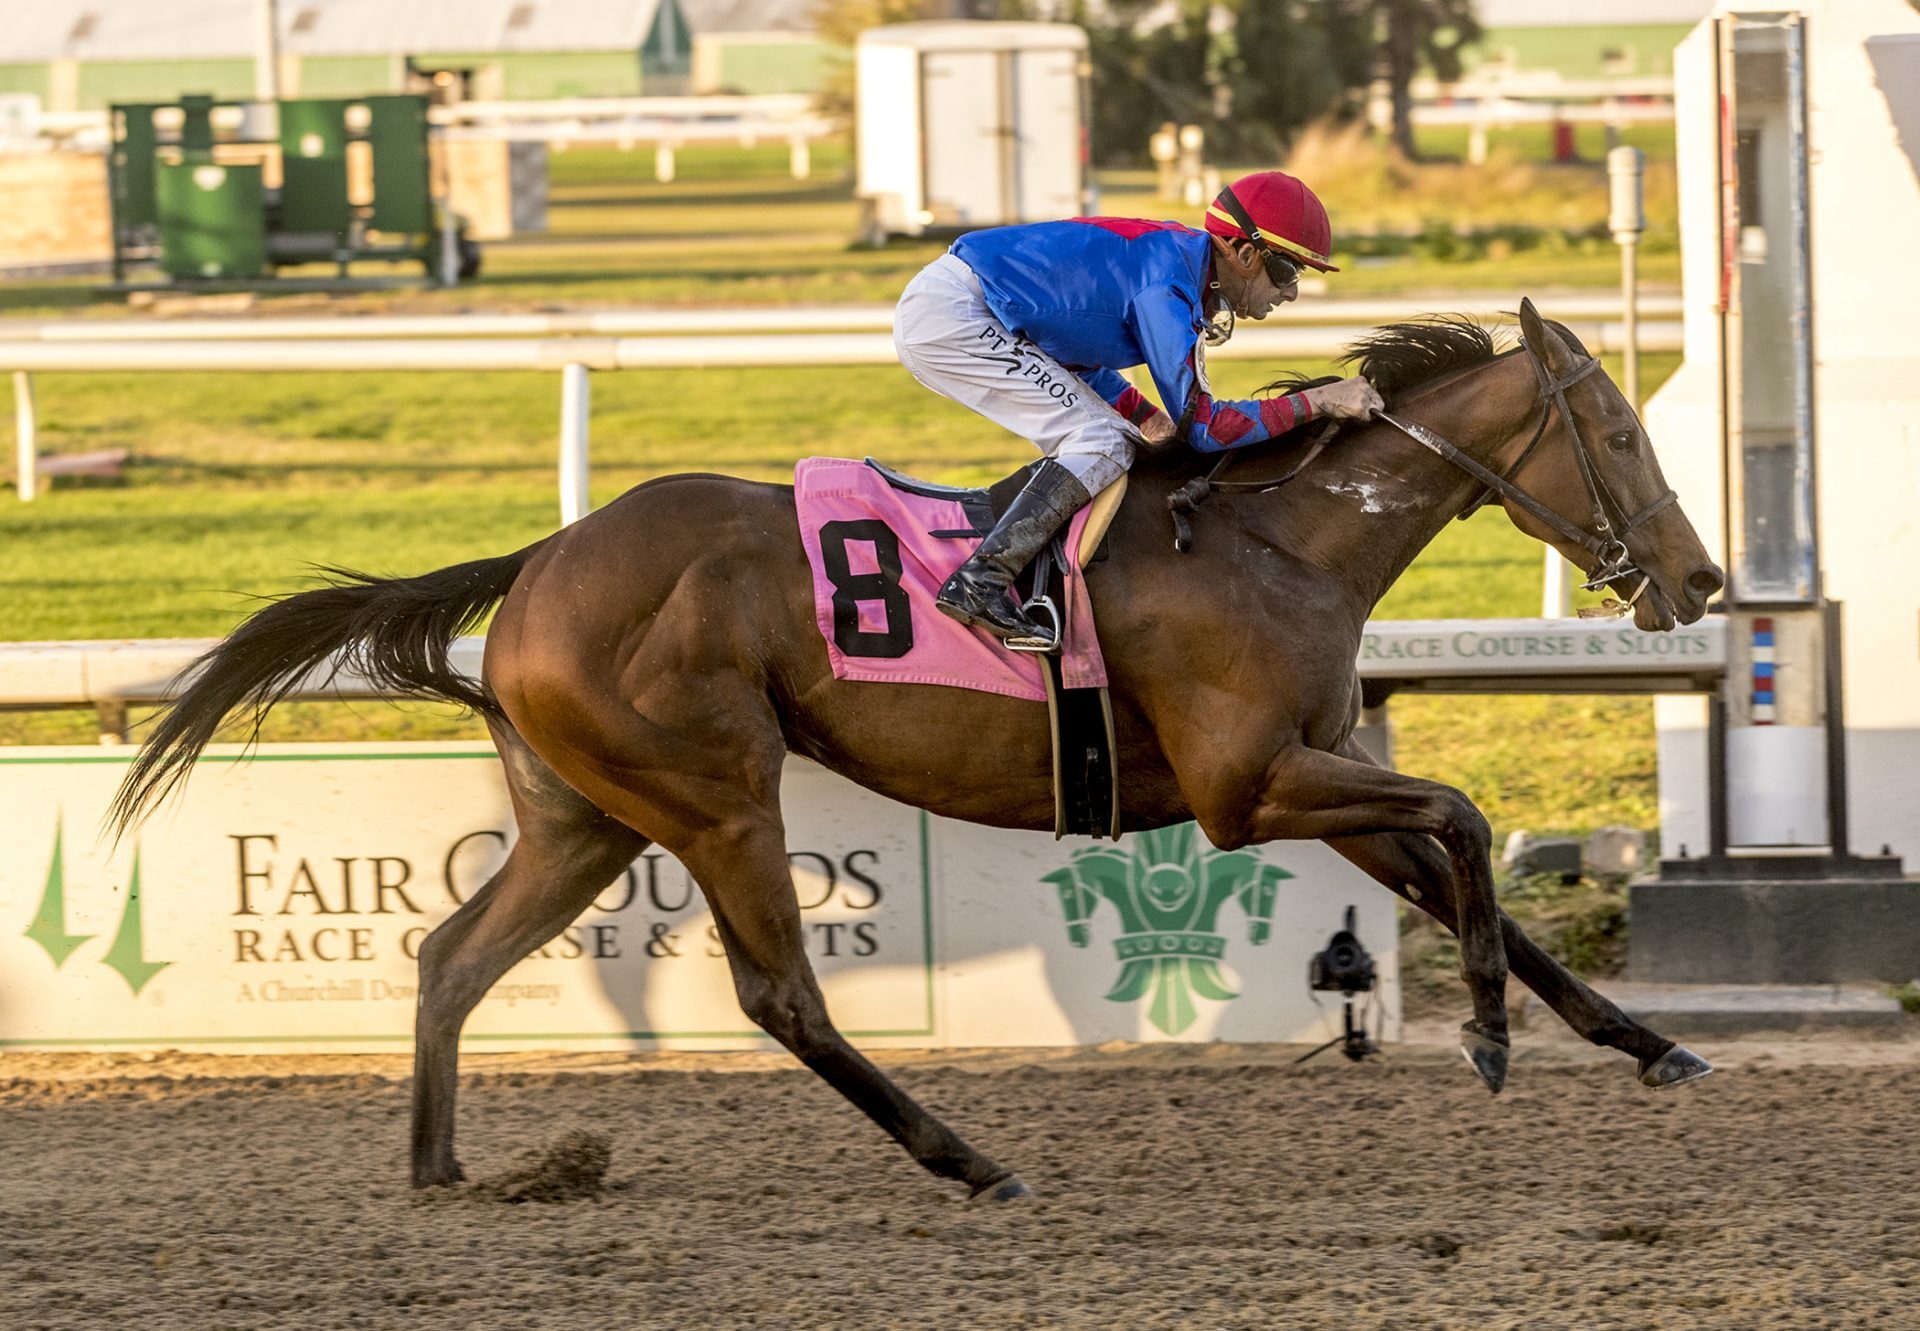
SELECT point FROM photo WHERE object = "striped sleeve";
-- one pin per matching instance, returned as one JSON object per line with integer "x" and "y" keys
{"x": 1122, "y": 396}
{"x": 1172, "y": 334}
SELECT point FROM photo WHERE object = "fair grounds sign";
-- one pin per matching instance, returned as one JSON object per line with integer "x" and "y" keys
{"x": 280, "y": 904}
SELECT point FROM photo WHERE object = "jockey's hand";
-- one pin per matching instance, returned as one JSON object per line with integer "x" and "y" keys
{"x": 1350, "y": 399}
{"x": 1157, "y": 429}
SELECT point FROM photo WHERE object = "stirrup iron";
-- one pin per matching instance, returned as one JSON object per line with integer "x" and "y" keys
{"x": 1042, "y": 645}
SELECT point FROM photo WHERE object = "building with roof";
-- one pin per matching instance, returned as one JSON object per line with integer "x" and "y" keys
{"x": 83, "y": 54}
{"x": 1578, "y": 40}
{"x": 757, "y": 46}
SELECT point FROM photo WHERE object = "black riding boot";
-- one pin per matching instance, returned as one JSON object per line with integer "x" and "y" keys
{"x": 977, "y": 592}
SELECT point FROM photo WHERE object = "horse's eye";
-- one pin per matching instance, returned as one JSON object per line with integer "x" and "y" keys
{"x": 1623, "y": 442}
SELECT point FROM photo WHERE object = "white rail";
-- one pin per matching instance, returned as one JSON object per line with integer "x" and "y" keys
{"x": 666, "y": 123}
{"x": 1587, "y": 307}
{"x": 1432, "y": 655}
{"x": 775, "y": 106}
{"x": 574, "y": 357}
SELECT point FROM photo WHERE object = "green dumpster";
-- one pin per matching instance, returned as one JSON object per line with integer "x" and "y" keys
{"x": 212, "y": 220}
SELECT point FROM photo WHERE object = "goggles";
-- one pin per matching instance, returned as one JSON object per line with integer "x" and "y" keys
{"x": 1282, "y": 270}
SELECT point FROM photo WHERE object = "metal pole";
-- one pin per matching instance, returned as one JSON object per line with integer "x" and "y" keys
{"x": 26, "y": 444}
{"x": 1839, "y": 843}
{"x": 1717, "y": 772}
{"x": 1626, "y": 219}
{"x": 1629, "y": 308}
{"x": 1374, "y": 733}
{"x": 574, "y": 407}
{"x": 114, "y": 727}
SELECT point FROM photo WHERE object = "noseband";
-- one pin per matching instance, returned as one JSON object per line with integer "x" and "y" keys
{"x": 1606, "y": 541}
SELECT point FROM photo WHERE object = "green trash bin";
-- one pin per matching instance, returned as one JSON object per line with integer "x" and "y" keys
{"x": 213, "y": 220}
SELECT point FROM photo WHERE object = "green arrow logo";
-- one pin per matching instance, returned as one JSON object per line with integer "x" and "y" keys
{"x": 128, "y": 953}
{"x": 49, "y": 927}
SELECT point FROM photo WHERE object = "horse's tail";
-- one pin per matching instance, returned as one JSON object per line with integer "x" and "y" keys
{"x": 394, "y": 632}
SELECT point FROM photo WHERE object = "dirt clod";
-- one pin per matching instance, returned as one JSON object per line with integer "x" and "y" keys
{"x": 570, "y": 1170}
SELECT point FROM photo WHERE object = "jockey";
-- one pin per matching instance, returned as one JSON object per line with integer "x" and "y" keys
{"x": 1030, "y": 326}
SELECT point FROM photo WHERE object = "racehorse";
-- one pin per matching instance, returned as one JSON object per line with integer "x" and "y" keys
{"x": 650, "y": 666}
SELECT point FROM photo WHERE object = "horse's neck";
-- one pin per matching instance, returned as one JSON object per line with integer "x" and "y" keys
{"x": 1373, "y": 501}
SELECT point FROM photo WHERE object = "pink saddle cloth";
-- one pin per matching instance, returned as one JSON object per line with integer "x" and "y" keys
{"x": 877, "y": 564}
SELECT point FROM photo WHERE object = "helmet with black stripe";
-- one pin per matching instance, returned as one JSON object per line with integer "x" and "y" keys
{"x": 1282, "y": 217}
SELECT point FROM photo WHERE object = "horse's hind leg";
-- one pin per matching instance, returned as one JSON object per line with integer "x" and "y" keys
{"x": 567, "y": 853}
{"x": 714, "y": 802}
{"x": 743, "y": 870}
{"x": 1415, "y": 868}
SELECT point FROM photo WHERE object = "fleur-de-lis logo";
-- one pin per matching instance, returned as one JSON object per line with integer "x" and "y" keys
{"x": 1168, "y": 889}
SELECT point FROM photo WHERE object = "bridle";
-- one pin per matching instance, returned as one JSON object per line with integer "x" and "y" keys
{"x": 1610, "y": 525}
{"x": 1606, "y": 541}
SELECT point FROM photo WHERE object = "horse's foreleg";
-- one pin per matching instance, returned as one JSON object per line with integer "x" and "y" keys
{"x": 1310, "y": 795}
{"x": 567, "y": 854}
{"x": 1415, "y": 868}
{"x": 744, "y": 872}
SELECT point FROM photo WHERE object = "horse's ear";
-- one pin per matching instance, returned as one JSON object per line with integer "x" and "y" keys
{"x": 1546, "y": 345}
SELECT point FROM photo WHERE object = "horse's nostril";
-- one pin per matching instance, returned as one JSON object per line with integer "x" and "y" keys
{"x": 1704, "y": 582}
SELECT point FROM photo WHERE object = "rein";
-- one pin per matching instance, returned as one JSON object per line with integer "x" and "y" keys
{"x": 1605, "y": 542}
{"x": 1183, "y": 501}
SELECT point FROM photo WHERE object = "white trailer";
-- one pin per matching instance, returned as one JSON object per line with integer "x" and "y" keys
{"x": 969, "y": 124}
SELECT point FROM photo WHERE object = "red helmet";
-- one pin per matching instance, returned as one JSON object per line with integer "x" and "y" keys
{"x": 1275, "y": 208}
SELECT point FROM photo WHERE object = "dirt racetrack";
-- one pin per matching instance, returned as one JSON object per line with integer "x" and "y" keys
{"x": 1210, "y": 1187}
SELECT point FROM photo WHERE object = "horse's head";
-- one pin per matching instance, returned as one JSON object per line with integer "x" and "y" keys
{"x": 1620, "y": 481}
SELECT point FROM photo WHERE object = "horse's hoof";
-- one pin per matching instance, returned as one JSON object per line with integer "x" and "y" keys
{"x": 1676, "y": 1067}
{"x": 1011, "y": 1188}
{"x": 440, "y": 1176}
{"x": 1487, "y": 1054}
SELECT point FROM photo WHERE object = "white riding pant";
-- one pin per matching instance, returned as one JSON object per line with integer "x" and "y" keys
{"x": 945, "y": 334}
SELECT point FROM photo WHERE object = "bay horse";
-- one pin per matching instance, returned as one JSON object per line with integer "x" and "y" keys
{"x": 650, "y": 667}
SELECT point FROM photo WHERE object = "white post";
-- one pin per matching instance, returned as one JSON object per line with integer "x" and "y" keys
{"x": 574, "y": 407}
{"x": 663, "y": 163}
{"x": 1556, "y": 589}
{"x": 449, "y": 230}
{"x": 1630, "y": 309}
{"x": 27, "y": 482}
{"x": 266, "y": 51}
{"x": 799, "y": 158}
{"x": 1626, "y": 218}
{"x": 1192, "y": 145}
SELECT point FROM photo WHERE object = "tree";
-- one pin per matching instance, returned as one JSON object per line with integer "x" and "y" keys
{"x": 1410, "y": 33}
{"x": 1298, "y": 61}
{"x": 1252, "y": 73}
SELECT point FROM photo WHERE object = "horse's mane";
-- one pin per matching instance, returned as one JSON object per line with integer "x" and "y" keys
{"x": 1396, "y": 359}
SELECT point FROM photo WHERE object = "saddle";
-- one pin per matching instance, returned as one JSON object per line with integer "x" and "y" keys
{"x": 984, "y": 507}
{"x": 1086, "y": 774}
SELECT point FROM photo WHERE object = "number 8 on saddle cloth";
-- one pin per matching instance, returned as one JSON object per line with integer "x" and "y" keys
{"x": 880, "y": 546}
